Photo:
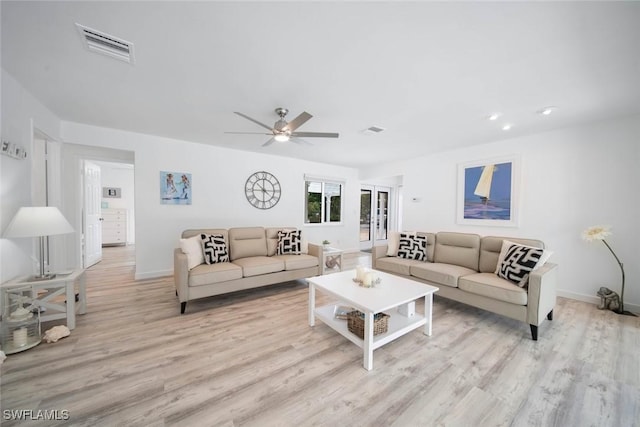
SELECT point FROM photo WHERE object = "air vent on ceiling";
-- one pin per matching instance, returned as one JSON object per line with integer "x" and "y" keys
{"x": 373, "y": 130}
{"x": 97, "y": 41}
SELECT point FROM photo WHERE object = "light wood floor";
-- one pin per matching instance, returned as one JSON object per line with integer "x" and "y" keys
{"x": 250, "y": 359}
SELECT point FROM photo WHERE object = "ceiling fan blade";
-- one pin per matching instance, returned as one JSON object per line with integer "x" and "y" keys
{"x": 316, "y": 134}
{"x": 299, "y": 121}
{"x": 253, "y": 120}
{"x": 250, "y": 133}
{"x": 269, "y": 142}
{"x": 300, "y": 141}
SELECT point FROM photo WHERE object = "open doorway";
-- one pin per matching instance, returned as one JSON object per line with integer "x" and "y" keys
{"x": 72, "y": 175}
{"x": 109, "y": 209}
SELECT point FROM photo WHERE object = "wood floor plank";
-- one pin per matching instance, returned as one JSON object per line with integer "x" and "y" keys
{"x": 251, "y": 359}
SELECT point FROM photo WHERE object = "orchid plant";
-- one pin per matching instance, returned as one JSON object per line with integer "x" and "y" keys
{"x": 601, "y": 232}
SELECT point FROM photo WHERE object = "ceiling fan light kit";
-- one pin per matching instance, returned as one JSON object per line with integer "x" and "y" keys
{"x": 283, "y": 131}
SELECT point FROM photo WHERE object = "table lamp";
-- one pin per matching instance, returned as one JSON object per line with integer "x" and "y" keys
{"x": 38, "y": 221}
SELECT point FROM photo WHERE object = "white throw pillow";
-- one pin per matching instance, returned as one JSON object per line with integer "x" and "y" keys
{"x": 393, "y": 241}
{"x": 192, "y": 247}
{"x": 506, "y": 244}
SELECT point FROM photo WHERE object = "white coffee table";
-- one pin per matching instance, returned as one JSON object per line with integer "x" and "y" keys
{"x": 393, "y": 292}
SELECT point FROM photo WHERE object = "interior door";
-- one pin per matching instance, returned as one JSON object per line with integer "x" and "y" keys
{"x": 374, "y": 215}
{"x": 92, "y": 214}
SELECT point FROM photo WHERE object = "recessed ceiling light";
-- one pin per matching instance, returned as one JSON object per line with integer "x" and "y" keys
{"x": 547, "y": 110}
{"x": 506, "y": 127}
{"x": 494, "y": 116}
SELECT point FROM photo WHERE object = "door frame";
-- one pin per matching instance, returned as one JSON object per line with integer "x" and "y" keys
{"x": 374, "y": 220}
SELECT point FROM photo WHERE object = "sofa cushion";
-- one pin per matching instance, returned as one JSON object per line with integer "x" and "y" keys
{"x": 272, "y": 240}
{"x": 396, "y": 265}
{"x": 461, "y": 249}
{"x": 206, "y": 274}
{"x": 394, "y": 241}
{"x": 297, "y": 262}
{"x": 439, "y": 273}
{"x": 412, "y": 247}
{"x": 518, "y": 262}
{"x": 288, "y": 242}
{"x": 507, "y": 244}
{"x": 247, "y": 242}
{"x": 491, "y": 246}
{"x": 192, "y": 248}
{"x": 257, "y": 265}
{"x": 214, "y": 248}
{"x": 492, "y": 286}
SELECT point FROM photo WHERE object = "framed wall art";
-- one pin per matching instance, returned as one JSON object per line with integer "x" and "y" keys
{"x": 175, "y": 188}
{"x": 488, "y": 192}
{"x": 111, "y": 192}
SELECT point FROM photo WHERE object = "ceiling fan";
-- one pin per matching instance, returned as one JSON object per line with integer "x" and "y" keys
{"x": 283, "y": 131}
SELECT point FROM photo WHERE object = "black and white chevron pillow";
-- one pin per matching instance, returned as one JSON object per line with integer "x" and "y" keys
{"x": 214, "y": 248}
{"x": 412, "y": 247}
{"x": 289, "y": 242}
{"x": 518, "y": 262}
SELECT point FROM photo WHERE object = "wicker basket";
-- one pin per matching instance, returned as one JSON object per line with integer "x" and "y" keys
{"x": 355, "y": 322}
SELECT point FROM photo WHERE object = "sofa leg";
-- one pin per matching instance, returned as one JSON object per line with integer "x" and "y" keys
{"x": 183, "y": 307}
{"x": 534, "y": 332}
{"x": 550, "y": 315}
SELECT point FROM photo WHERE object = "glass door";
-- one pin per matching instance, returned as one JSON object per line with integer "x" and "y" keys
{"x": 374, "y": 215}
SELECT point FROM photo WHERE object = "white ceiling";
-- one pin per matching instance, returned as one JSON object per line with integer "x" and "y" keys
{"x": 428, "y": 72}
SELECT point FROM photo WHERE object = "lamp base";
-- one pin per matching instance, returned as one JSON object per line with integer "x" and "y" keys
{"x": 43, "y": 277}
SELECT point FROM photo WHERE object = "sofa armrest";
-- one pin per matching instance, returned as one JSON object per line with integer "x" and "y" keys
{"x": 541, "y": 293}
{"x": 376, "y": 253}
{"x": 316, "y": 251}
{"x": 181, "y": 274}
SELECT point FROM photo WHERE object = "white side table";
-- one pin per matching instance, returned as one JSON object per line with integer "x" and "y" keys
{"x": 62, "y": 284}
{"x": 331, "y": 260}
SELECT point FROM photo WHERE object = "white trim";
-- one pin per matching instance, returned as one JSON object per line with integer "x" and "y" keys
{"x": 594, "y": 300}
{"x": 332, "y": 180}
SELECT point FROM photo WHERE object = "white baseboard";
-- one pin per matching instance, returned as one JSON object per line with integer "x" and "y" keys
{"x": 594, "y": 300}
{"x": 153, "y": 274}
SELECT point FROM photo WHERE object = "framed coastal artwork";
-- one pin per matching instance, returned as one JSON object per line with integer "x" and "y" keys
{"x": 175, "y": 188}
{"x": 488, "y": 192}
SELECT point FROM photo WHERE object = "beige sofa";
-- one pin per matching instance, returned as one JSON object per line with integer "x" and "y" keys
{"x": 463, "y": 266}
{"x": 252, "y": 263}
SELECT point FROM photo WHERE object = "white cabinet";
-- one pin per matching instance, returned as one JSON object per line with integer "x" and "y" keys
{"x": 114, "y": 227}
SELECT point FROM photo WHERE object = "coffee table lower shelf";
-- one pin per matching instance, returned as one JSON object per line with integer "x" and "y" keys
{"x": 398, "y": 325}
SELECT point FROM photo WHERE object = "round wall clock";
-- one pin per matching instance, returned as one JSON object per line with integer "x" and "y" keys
{"x": 262, "y": 190}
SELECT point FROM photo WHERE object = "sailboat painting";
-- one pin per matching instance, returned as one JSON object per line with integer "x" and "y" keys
{"x": 488, "y": 193}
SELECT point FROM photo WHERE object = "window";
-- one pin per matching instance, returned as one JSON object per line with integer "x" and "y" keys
{"x": 323, "y": 201}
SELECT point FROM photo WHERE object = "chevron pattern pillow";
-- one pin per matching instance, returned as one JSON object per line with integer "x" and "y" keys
{"x": 289, "y": 242}
{"x": 214, "y": 248}
{"x": 518, "y": 262}
{"x": 412, "y": 247}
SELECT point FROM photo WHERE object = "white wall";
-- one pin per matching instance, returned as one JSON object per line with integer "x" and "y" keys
{"x": 571, "y": 179}
{"x": 218, "y": 177}
{"x": 21, "y": 114}
{"x": 120, "y": 175}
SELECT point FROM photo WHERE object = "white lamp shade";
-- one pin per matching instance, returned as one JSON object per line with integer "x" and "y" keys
{"x": 38, "y": 221}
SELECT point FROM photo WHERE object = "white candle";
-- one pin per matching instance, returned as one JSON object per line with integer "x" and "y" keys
{"x": 359, "y": 273}
{"x": 20, "y": 337}
{"x": 368, "y": 278}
